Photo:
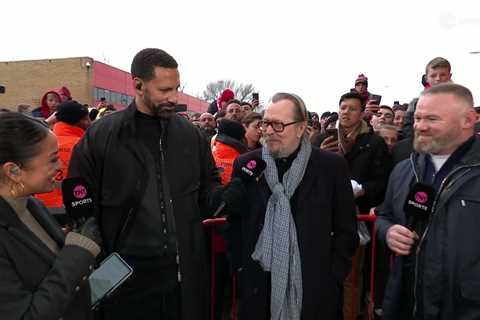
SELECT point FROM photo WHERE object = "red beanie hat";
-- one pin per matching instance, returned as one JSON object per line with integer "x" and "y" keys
{"x": 361, "y": 79}
{"x": 226, "y": 95}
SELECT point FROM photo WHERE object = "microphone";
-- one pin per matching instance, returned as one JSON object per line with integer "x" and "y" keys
{"x": 250, "y": 169}
{"x": 418, "y": 207}
{"x": 77, "y": 198}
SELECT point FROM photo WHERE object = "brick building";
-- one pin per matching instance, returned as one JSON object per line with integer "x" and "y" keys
{"x": 87, "y": 79}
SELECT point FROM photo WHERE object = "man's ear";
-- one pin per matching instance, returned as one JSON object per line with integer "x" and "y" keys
{"x": 138, "y": 85}
{"x": 470, "y": 119}
{"x": 301, "y": 129}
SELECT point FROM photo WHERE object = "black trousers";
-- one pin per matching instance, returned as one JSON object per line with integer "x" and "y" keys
{"x": 151, "y": 293}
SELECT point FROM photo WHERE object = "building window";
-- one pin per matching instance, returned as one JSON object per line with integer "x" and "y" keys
{"x": 112, "y": 96}
{"x": 101, "y": 94}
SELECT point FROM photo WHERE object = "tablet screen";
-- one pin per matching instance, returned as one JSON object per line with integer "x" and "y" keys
{"x": 110, "y": 275}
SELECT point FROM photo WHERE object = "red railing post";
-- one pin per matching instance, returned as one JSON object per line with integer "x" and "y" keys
{"x": 211, "y": 224}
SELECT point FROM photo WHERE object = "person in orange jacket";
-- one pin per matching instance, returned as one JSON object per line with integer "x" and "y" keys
{"x": 72, "y": 121}
{"x": 227, "y": 145}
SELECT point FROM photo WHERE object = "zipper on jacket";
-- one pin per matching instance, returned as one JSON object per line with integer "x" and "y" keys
{"x": 177, "y": 257}
{"x": 435, "y": 201}
{"x": 414, "y": 167}
{"x": 125, "y": 224}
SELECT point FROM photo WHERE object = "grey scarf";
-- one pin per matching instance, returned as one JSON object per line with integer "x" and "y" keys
{"x": 277, "y": 246}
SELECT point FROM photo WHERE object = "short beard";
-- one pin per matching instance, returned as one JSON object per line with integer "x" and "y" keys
{"x": 437, "y": 145}
{"x": 162, "y": 110}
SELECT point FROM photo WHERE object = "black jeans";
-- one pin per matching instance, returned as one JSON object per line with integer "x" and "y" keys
{"x": 151, "y": 293}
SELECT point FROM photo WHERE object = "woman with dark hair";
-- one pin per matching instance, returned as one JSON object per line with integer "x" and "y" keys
{"x": 251, "y": 123}
{"x": 43, "y": 273}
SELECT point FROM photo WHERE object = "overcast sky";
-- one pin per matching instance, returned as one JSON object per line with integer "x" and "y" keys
{"x": 313, "y": 48}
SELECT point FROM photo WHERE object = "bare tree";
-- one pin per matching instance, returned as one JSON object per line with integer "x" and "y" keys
{"x": 214, "y": 89}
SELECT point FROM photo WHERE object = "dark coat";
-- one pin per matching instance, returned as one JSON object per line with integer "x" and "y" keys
{"x": 34, "y": 282}
{"x": 324, "y": 214}
{"x": 402, "y": 150}
{"x": 112, "y": 160}
{"x": 451, "y": 268}
{"x": 213, "y": 107}
{"x": 407, "y": 129}
{"x": 369, "y": 163}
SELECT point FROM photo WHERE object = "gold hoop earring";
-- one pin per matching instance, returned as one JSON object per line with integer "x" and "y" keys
{"x": 14, "y": 189}
{"x": 13, "y": 192}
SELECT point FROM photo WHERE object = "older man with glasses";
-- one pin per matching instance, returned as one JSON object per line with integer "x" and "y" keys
{"x": 296, "y": 223}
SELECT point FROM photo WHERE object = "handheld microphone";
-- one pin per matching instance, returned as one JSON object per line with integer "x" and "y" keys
{"x": 250, "y": 169}
{"x": 77, "y": 198}
{"x": 418, "y": 205}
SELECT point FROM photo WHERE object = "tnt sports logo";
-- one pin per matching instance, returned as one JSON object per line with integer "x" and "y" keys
{"x": 251, "y": 164}
{"x": 79, "y": 192}
{"x": 421, "y": 197}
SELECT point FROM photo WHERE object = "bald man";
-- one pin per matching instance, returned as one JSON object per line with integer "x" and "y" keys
{"x": 431, "y": 215}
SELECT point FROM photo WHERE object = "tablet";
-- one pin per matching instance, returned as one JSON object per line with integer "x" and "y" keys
{"x": 113, "y": 271}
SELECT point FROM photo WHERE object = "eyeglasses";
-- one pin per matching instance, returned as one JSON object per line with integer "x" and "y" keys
{"x": 277, "y": 126}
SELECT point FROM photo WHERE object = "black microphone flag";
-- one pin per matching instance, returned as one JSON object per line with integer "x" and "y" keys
{"x": 77, "y": 198}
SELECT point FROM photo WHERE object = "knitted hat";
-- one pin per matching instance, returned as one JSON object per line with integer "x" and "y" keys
{"x": 226, "y": 95}
{"x": 361, "y": 79}
{"x": 71, "y": 112}
{"x": 231, "y": 128}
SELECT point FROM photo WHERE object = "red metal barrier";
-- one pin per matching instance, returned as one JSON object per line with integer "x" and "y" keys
{"x": 218, "y": 246}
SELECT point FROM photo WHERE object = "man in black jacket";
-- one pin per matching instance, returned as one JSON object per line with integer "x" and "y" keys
{"x": 366, "y": 153}
{"x": 430, "y": 215}
{"x": 297, "y": 223}
{"x": 152, "y": 174}
{"x": 369, "y": 166}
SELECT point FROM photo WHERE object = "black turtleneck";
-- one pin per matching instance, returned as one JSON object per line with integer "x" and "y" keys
{"x": 148, "y": 130}
{"x": 283, "y": 164}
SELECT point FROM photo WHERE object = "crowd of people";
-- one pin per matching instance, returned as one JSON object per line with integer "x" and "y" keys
{"x": 292, "y": 228}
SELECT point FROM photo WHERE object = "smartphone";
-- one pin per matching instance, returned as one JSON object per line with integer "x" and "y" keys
{"x": 181, "y": 108}
{"x": 377, "y": 98}
{"x": 332, "y": 132}
{"x": 255, "y": 96}
{"x": 113, "y": 271}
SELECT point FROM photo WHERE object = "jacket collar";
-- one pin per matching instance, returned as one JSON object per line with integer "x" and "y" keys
{"x": 128, "y": 119}
{"x": 362, "y": 142}
{"x": 10, "y": 221}
{"x": 470, "y": 158}
{"x": 128, "y": 123}
{"x": 65, "y": 129}
{"x": 232, "y": 142}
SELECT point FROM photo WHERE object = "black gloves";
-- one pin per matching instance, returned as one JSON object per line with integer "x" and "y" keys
{"x": 234, "y": 196}
{"x": 89, "y": 228}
